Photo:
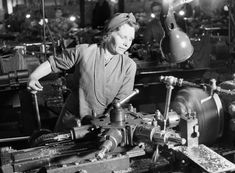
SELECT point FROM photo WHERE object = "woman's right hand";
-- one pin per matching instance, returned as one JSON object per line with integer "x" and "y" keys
{"x": 34, "y": 85}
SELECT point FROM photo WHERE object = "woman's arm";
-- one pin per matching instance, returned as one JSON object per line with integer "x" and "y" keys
{"x": 42, "y": 70}
{"x": 65, "y": 61}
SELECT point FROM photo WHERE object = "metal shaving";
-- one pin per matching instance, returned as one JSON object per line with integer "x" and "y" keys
{"x": 207, "y": 158}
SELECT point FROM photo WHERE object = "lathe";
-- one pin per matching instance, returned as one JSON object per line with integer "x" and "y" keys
{"x": 186, "y": 137}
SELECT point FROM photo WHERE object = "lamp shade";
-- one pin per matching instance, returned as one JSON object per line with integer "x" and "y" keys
{"x": 176, "y": 46}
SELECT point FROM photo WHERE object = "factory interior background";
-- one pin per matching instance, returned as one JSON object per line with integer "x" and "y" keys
{"x": 26, "y": 41}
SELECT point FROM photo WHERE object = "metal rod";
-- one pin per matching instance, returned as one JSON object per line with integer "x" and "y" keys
{"x": 167, "y": 105}
{"x": 14, "y": 139}
{"x": 118, "y": 104}
{"x": 44, "y": 29}
{"x": 37, "y": 110}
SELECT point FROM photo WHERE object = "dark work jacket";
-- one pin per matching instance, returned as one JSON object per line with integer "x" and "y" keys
{"x": 153, "y": 32}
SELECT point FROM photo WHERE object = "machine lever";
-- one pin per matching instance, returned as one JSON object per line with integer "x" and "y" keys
{"x": 119, "y": 104}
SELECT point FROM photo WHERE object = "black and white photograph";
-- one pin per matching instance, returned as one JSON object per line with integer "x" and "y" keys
{"x": 117, "y": 86}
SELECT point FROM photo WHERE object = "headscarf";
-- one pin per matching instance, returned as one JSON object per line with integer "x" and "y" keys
{"x": 118, "y": 20}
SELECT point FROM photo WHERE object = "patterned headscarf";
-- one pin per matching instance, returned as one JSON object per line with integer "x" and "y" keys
{"x": 118, "y": 20}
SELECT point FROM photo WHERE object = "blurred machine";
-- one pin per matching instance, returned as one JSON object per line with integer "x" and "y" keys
{"x": 186, "y": 137}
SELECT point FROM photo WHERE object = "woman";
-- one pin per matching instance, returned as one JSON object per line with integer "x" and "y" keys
{"x": 154, "y": 31}
{"x": 61, "y": 26}
{"x": 103, "y": 72}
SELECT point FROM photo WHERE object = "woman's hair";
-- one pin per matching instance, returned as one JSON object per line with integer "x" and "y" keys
{"x": 58, "y": 8}
{"x": 154, "y": 4}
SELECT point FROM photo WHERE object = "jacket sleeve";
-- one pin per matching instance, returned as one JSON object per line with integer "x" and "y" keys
{"x": 66, "y": 60}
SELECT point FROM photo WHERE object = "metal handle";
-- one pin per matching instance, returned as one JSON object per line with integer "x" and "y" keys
{"x": 37, "y": 110}
{"x": 119, "y": 104}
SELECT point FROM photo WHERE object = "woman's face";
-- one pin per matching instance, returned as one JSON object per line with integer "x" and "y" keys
{"x": 156, "y": 10}
{"x": 121, "y": 40}
{"x": 58, "y": 13}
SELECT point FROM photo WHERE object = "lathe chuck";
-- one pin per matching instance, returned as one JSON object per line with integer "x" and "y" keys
{"x": 208, "y": 110}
